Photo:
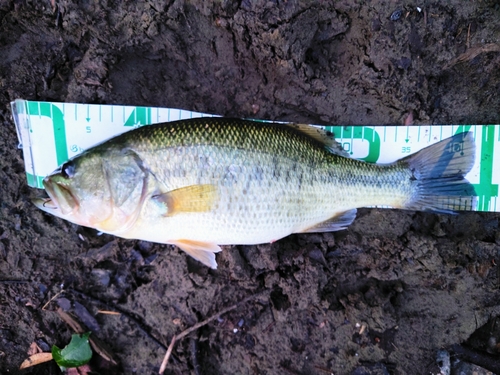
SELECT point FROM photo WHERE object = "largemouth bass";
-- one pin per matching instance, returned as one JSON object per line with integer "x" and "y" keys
{"x": 207, "y": 182}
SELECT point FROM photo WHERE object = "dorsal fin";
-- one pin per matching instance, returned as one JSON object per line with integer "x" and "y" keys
{"x": 322, "y": 136}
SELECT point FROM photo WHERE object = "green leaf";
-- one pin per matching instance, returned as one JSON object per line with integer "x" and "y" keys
{"x": 76, "y": 354}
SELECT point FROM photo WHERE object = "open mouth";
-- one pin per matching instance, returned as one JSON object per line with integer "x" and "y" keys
{"x": 61, "y": 196}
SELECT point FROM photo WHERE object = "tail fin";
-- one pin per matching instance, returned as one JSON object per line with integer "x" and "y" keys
{"x": 439, "y": 175}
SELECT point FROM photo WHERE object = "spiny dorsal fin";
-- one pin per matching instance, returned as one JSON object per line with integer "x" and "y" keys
{"x": 322, "y": 136}
{"x": 193, "y": 198}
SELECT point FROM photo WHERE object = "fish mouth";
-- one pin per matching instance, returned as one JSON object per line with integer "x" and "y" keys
{"x": 45, "y": 204}
{"x": 60, "y": 195}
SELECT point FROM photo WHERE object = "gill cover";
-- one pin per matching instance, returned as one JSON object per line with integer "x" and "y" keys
{"x": 127, "y": 180}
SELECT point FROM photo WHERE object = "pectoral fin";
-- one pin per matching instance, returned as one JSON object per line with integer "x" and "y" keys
{"x": 193, "y": 198}
{"x": 201, "y": 251}
{"x": 338, "y": 222}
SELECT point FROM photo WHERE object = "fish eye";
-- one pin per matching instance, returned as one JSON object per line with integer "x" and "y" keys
{"x": 68, "y": 170}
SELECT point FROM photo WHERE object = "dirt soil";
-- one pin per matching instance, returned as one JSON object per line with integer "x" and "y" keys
{"x": 382, "y": 297}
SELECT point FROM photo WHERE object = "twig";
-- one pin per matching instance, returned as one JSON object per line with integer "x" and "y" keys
{"x": 269, "y": 326}
{"x": 107, "y": 312}
{"x": 468, "y": 36}
{"x": 324, "y": 369}
{"x": 473, "y": 52}
{"x": 167, "y": 356}
{"x": 53, "y": 298}
{"x": 198, "y": 325}
{"x": 68, "y": 319}
{"x": 215, "y": 316}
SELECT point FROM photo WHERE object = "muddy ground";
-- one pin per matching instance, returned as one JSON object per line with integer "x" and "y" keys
{"x": 382, "y": 297}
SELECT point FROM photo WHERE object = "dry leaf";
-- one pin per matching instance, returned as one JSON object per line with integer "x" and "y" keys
{"x": 34, "y": 349}
{"x": 36, "y": 359}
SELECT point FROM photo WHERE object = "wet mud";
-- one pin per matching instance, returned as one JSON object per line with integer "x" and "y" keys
{"x": 386, "y": 296}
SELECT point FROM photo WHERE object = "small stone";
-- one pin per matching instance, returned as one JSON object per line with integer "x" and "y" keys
{"x": 396, "y": 15}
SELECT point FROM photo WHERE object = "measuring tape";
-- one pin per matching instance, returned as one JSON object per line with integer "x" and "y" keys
{"x": 51, "y": 133}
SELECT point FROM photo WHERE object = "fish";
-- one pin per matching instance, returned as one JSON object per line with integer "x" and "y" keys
{"x": 202, "y": 183}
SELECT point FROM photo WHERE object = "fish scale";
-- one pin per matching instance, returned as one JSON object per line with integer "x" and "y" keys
{"x": 281, "y": 158}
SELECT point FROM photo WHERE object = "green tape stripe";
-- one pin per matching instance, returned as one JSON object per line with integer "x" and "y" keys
{"x": 34, "y": 181}
{"x": 359, "y": 132}
{"x": 57, "y": 117}
{"x": 485, "y": 189}
{"x": 139, "y": 116}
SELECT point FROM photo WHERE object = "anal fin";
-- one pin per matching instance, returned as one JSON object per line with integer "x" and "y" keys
{"x": 338, "y": 222}
{"x": 201, "y": 251}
